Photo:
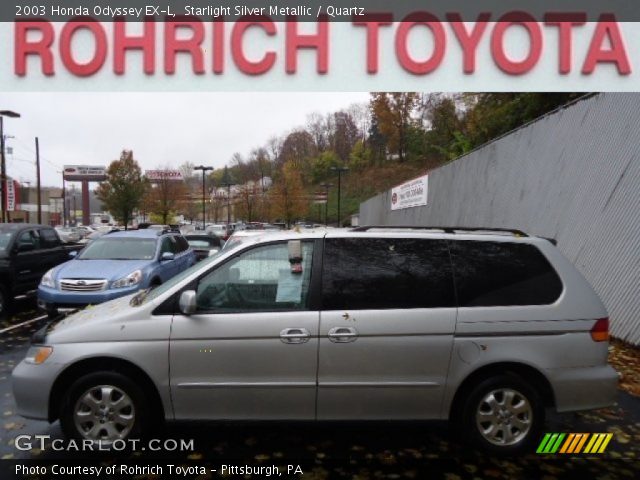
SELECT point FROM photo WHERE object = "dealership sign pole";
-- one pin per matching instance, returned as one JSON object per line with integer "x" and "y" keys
{"x": 84, "y": 174}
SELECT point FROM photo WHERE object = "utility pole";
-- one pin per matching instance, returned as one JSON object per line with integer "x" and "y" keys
{"x": 3, "y": 165}
{"x": 340, "y": 171}
{"x": 38, "y": 181}
{"x": 227, "y": 182}
{"x": 326, "y": 186}
{"x": 204, "y": 169}
{"x": 64, "y": 203}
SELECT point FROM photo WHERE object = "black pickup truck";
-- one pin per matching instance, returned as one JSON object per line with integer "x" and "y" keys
{"x": 27, "y": 252}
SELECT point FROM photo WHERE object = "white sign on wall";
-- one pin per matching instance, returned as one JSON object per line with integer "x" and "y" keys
{"x": 155, "y": 175}
{"x": 410, "y": 194}
{"x": 11, "y": 195}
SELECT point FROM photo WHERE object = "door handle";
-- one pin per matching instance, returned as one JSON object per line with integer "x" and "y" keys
{"x": 343, "y": 334}
{"x": 295, "y": 335}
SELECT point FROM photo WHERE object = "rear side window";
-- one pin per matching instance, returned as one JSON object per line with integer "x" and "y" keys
{"x": 181, "y": 244}
{"x": 49, "y": 237}
{"x": 490, "y": 274}
{"x": 385, "y": 273}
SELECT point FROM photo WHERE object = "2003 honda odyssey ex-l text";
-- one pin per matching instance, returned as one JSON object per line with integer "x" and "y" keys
{"x": 487, "y": 328}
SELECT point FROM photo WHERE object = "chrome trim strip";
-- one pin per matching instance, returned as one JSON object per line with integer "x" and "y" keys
{"x": 378, "y": 384}
{"x": 246, "y": 384}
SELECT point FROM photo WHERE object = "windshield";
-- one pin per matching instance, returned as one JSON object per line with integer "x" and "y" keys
{"x": 5, "y": 238}
{"x": 119, "y": 249}
{"x": 148, "y": 295}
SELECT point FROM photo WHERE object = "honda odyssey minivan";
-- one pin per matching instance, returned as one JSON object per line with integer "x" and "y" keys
{"x": 487, "y": 328}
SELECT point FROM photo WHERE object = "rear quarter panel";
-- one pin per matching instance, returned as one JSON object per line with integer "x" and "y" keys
{"x": 550, "y": 338}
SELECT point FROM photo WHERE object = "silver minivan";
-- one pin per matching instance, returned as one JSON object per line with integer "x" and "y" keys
{"x": 487, "y": 328}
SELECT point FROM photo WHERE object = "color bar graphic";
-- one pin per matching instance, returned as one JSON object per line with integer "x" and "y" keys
{"x": 574, "y": 443}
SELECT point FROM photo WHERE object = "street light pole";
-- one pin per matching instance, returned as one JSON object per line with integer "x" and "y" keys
{"x": 340, "y": 171}
{"x": 3, "y": 166}
{"x": 326, "y": 186}
{"x": 204, "y": 170}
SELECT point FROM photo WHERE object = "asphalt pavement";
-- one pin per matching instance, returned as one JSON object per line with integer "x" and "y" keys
{"x": 332, "y": 450}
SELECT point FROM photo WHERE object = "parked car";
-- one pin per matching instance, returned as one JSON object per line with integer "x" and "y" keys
{"x": 91, "y": 237}
{"x": 84, "y": 231}
{"x": 485, "y": 328}
{"x": 68, "y": 234}
{"x": 242, "y": 236}
{"x": 27, "y": 251}
{"x": 223, "y": 231}
{"x": 114, "y": 265}
{"x": 204, "y": 244}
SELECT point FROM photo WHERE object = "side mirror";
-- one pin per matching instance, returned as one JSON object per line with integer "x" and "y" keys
{"x": 167, "y": 256}
{"x": 188, "y": 302}
{"x": 73, "y": 253}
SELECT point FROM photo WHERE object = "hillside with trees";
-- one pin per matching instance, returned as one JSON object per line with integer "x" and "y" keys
{"x": 395, "y": 137}
{"x": 376, "y": 145}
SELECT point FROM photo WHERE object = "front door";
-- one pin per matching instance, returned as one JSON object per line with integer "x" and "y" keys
{"x": 250, "y": 351}
{"x": 28, "y": 270}
{"x": 386, "y": 331}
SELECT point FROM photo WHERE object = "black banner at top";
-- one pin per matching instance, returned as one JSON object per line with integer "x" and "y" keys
{"x": 320, "y": 10}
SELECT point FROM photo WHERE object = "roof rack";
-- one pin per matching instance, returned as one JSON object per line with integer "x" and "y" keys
{"x": 514, "y": 232}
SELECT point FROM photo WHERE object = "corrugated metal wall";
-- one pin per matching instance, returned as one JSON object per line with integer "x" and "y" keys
{"x": 573, "y": 175}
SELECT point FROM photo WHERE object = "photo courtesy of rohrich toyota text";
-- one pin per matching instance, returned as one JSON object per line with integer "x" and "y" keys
{"x": 312, "y": 240}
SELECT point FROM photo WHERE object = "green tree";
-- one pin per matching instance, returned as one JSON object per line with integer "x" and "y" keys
{"x": 124, "y": 188}
{"x": 360, "y": 156}
{"x": 321, "y": 166}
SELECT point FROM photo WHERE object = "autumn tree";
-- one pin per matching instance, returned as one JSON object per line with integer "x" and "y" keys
{"x": 288, "y": 199}
{"x": 393, "y": 113}
{"x": 299, "y": 148}
{"x": 344, "y": 135}
{"x": 122, "y": 192}
{"x": 166, "y": 197}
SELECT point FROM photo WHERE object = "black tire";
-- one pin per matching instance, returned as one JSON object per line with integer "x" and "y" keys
{"x": 52, "y": 313}
{"x": 93, "y": 383}
{"x": 521, "y": 416}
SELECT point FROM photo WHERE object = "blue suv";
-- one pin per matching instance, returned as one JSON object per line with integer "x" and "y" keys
{"x": 115, "y": 265}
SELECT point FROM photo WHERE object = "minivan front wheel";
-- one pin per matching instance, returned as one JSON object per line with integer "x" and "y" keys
{"x": 103, "y": 407}
{"x": 504, "y": 415}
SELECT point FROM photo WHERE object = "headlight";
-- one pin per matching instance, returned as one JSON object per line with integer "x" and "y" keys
{"x": 38, "y": 355}
{"x": 47, "y": 280}
{"x": 130, "y": 280}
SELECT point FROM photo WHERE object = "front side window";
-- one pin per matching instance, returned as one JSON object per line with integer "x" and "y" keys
{"x": 259, "y": 280}
{"x": 386, "y": 273}
{"x": 490, "y": 274}
{"x": 168, "y": 246}
{"x": 29, "y": 237}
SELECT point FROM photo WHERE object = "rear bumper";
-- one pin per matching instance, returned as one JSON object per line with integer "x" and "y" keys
{"x": 583, "y": 388}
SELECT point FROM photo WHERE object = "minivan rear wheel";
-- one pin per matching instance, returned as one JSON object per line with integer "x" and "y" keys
{"x": 504, "y": 415}
{"x": 103, "y": 407}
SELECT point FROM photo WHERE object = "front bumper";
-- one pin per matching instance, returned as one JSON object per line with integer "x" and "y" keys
{"x": 51, "y": 298}
{"x": 32, "y": 388}
{"x": 583, "y": 388}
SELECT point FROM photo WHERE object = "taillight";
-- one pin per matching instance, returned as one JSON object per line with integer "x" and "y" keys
{"x": 600, "y": 330}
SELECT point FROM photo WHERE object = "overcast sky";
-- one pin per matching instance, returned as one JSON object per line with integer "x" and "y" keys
{"x": 160, "y": 128}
